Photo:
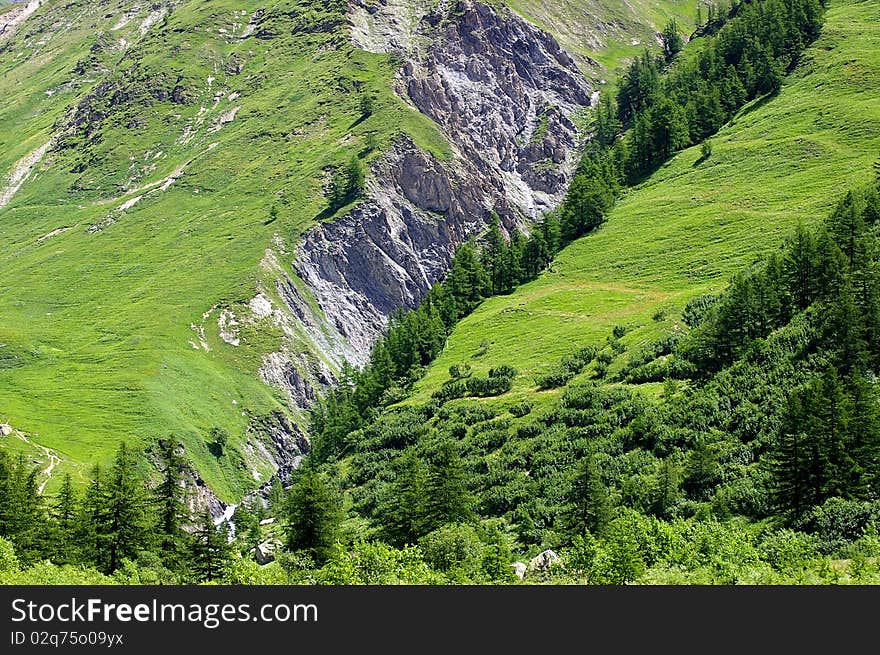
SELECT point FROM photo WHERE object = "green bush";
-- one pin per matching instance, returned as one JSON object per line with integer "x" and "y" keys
{"x": 454, "y": 549}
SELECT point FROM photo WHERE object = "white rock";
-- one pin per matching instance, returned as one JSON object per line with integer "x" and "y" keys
{"x": 543, "y": 561}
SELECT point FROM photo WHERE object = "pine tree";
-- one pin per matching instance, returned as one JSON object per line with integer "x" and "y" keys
{"x": 789, "y": 463}
{"x": 354, "y": 178}
{"x": 22, "y": 517}
{"x": 864, "y": 438}
{"x": 65, "y": 515}
{"x": 125, "y": 529}
{"x": 173, "y": 513}
{"x": 468, "y": 280}
{"x": 402, "y": 510}
{"x": 314, "y": 513}
{"x": 607, "y": 126}
{"x": 367, "y": 105}
{"x": 588, "y": 505}
{"x": 799, "y": 267}
{"x": 492, "y": 255}
{"x": 211, "y": 549}
{"x": 666, "y": 491}
{"x": 669, "y": 128}
{"x": 672, "y": 41}
{"x": 91, "y": 519}
{"x": 447, "y": 498}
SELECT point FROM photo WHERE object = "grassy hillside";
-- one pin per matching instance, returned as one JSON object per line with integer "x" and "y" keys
{"x": 608, "y": 32}
{"x": 692, "y": 224}
{"x": 174, "y": 133}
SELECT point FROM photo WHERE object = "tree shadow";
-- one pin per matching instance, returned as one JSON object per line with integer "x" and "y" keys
{"x": 757, "y": 104}
{"x": 360, "y": 120}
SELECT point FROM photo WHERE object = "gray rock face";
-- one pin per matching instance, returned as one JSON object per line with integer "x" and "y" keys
{"x": 504, "y": 93}
{"x": 388, "y": 251}
{"x": 519, "y": 569}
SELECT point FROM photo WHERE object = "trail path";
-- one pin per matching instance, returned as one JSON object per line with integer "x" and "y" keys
{"x": 54, "y": 460}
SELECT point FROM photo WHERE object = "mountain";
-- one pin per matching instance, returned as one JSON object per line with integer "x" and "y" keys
{"x": 686, "y": 390}
{"x": 549, "y": 330}
{"x": 691, "y": 225}
{"x": 171, "y": 261}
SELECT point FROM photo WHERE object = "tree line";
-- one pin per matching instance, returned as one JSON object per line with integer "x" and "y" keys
{"x": 415, "y": 337}
{"x": 671, "y": 101}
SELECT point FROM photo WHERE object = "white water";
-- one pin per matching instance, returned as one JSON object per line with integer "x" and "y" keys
{"x": 227, "y": 517}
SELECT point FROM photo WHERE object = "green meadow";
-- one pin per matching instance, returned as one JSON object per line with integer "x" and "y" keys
{"x": 687, "y": 228}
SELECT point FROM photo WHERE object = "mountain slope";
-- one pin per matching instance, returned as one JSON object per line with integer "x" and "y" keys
{"x": 171, "y": 133}
{"x": 603, "y": 34}
{"x": 693, "y": 223}
{"x": 170, "y": 262}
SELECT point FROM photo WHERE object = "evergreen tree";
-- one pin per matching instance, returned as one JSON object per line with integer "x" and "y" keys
{"x": 670, "y": 129}
{"x": 65, "y": 515}
{"x": 588, "y": 505}
{"x": 799, "y": 269}
{"x": 314, "y": 513}
{"x": 468, "y": 280}
{"x": 354, "y": 178}
{"x": 125, "y": 530}
{"x": 607, "y": 126}
{"x": 789, "y": 462}
{"x": 493, "y": 255}
{"x": 91, "y": 520}
{"x": 447, "y": 498}
{"x": 402, "y": 510}
{"x": 666, "y": 490}
{"x": 173, "y": 514}
{"x": 22, "y": 516}
{"x": 211, "y": 549}
{"x": 672, "y": 41}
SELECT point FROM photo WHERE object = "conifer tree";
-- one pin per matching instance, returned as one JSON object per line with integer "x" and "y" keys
{"x": 588, "y": 506}
{"x": 314, "y": 513}
{"x": 402, "y": 510}
{"x": 173, "y": 514}
{"x": 211, "y": 549}
{"x": 125, "y": 530}
{"x": 672, "y": 41}
{"x": 447, "y": 498}
{"x": 65, "y": 515}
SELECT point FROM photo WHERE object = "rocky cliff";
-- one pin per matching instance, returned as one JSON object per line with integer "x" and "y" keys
{"x": 506, "y": 96}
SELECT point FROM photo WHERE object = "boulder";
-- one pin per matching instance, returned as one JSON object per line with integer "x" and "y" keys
{"x": 519, "y": 569}
{"x": 5, "y": 429}
{"x": 268, "y": 521}
{"x": 265, "y": 552}
{"x": 543, "y": 561}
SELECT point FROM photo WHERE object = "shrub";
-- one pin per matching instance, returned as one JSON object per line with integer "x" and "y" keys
{"x": 453, "y": 547}
{"x": 521, "y": 409}
{"x": 502, "y": 371}
{"x": 839, "y": 522}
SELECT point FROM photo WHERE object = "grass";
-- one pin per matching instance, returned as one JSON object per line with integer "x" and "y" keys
{"x": 691, "y": 225}
{"x": 605, "y": 34}
{"x": 95, "y": 335}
